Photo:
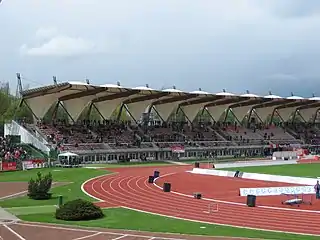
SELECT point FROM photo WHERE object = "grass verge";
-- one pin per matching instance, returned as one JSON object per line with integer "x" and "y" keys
{"x": 294, "y": 170}
{"x": 74, "y": 176}
{"x": 32, "y": 210}
{"x": 70, "y": 191}
{"x": 119, "y": 218}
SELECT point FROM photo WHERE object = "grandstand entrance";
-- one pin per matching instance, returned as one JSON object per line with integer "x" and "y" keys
{"x": 68, "y": 159}
{"x": 177, "y": 150}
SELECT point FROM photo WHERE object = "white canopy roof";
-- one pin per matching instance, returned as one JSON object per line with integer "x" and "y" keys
{"x": 68, "y": 154}
{"x": 76, "y": 95}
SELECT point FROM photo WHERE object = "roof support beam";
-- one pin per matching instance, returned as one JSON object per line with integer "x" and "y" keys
{"x": 70, "y": 117}
{"x": 273, "y": 103}
{"x": 173, "y": 99}
{"x": 287, "y": 111}
{"x": 243, "y": 108}
{"x": 115, "y": 96}
{"x": 202, "y": 100}
{"x": 266, "y": 109}
{"x": 294, "y": 104}
{"x": 247, "y": 102}
{"x": 222, "y": 102}
{"x": 83, "y": 94}
{"x": 313, "y": 105}
{"x": 146, "y": 97}
{"x": 50, "y": 90}
{"x": 309, "y": 111}
{"x": 35, "y": 117}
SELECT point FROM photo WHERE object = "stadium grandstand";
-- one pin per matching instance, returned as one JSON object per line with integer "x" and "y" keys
{"x": 167, "y": 124}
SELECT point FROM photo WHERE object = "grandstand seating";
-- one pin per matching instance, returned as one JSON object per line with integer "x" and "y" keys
{"x": 147, "y": 131}
{"x": 277, "y": 135}
{"x": 88, "y": 135}
{"x": 310, "y": 133}
{"x": 93, "y": 135}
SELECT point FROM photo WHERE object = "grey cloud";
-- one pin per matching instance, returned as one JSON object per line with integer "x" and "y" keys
{"x": 189, "y": 44}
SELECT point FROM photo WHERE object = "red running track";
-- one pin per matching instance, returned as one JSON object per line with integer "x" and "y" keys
{"x": 129, "y": 187}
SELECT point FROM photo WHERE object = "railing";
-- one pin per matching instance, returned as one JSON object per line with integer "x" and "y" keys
{"x": 38, "y": 134}
{"x": 14, "y": 128}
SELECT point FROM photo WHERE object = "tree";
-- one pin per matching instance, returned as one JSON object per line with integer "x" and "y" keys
{"x": 10, "y": 108}
{"x": 39, "y": 189}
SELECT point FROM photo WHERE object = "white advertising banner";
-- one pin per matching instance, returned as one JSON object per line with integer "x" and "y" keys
{"x": 31, "y": 165}
{"x": 274, "y": 191}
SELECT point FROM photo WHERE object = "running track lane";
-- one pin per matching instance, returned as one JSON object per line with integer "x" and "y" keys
{"x": 130, "y": 188}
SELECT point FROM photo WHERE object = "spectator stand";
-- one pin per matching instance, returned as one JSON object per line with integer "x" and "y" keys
{"x": 12, "y": 154}
{"x": 218, "y": 126}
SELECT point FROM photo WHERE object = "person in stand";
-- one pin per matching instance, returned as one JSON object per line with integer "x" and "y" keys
{"x": 317, "y": 190}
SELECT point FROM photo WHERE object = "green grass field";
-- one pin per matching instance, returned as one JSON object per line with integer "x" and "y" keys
{"x": 75, "y": 177}
{"x": 119, "y": 218}
{"x": 294, "y": 170}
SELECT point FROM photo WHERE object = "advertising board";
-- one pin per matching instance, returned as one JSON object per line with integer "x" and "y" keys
{"x": 177, "y": 149}
{"x": 274, "y": 191}
{"x": 31, "y": 164}
{"x": 9, "y": 166}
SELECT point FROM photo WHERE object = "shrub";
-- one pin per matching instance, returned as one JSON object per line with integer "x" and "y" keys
{"x": 77, "y": 210}
{"x": 39, "y": 189}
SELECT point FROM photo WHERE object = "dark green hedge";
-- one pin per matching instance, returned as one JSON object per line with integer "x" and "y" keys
{"x": 77, "y": 210}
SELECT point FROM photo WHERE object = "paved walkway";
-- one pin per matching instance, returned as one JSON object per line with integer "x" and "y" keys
{"x": 6, "y": 216}
{"x": 178, "y": 163}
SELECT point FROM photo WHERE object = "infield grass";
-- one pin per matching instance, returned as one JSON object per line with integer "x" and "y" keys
{"x": 295, "y": 170}
{"x": 119, "y": 218}
{"x": 74, "y": 177}
{"x": 32, "y": 210}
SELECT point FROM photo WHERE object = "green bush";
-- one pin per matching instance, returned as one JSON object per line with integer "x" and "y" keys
{"x": 77, "y": 210}
{"x": 39, "y": 189}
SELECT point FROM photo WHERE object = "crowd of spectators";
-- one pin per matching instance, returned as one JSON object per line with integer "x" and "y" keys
{"x": 257, "y": 134}
{"x": 310, "y": 133}
{"x": 86, "y": 134}
{"x": 165, "y": 132}
{"x": 91, "y": 135}
{"x": 8, "y": 152}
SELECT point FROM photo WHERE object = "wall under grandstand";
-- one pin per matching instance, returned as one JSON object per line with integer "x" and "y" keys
{"x": 285, "y": 155}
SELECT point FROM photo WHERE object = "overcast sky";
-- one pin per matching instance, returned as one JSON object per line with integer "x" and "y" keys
{"x": 237, "y": 45}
